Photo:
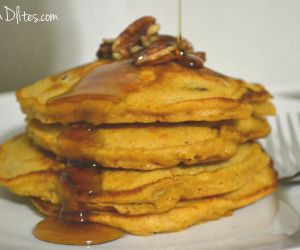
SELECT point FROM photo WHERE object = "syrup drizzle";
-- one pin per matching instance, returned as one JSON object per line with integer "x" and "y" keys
{"x": 179, "y": 35}
{"x": 72, "y": 226}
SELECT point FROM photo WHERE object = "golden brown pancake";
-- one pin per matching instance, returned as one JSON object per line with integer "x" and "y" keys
{"x": 122, "y": 93}
{"x": 128, "y": 191}
{"x": 148, "y": 146}
{"x": 186, "y": 213}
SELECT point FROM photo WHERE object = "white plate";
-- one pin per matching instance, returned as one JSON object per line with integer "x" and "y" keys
{"x": 270, "y": 223}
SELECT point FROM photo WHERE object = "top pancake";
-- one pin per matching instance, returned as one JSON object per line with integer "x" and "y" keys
{"x": 118, "y": 92}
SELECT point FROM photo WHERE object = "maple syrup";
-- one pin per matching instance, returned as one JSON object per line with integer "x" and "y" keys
{"x": 179, "y": 17}
{"x": 71, "y": 226}
{"x": 79, "y": 134}
{"x": 53, "y": 230}
{"x": 107, "y": 82}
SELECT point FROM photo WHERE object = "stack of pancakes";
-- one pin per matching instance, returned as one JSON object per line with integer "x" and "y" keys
{"x": 172, "y": 148}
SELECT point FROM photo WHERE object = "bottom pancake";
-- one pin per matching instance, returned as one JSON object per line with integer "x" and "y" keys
{"x": 186, "y": 213}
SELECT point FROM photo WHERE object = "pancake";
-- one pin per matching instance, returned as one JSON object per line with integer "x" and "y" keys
{"x": 186, "y": 213}
{"x": 118, "y": 92}
{"x": 148, "y": 146}
{"x": 124, "y": 190}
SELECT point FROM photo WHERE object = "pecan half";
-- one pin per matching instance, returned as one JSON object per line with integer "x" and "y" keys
{"x": 131, "y": 36}
{"x": 155, "y": 54}
{"x": 163, "y": 50}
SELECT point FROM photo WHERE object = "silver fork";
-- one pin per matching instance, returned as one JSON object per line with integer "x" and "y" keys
{"x": 285, "y": 149}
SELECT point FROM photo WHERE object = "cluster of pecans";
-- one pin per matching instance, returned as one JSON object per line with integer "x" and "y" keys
{"x": 141, "y": 41}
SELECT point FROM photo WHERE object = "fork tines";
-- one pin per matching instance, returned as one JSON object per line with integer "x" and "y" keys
{"x": 283, "y": 146}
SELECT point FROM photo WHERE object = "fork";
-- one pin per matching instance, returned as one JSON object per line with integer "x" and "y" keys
{"x": 285, "y": 149}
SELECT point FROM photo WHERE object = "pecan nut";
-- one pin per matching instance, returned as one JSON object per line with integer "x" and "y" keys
{"x": 155, "y": 54}
{"x": 131, "y": 36}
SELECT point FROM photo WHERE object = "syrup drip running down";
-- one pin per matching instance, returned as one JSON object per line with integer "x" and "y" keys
{"x": 72, "y": 226}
